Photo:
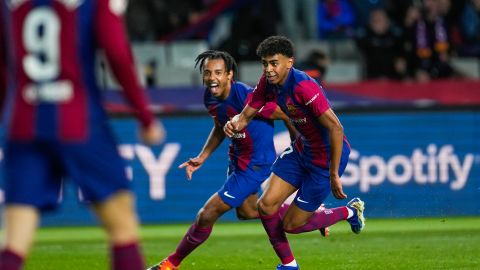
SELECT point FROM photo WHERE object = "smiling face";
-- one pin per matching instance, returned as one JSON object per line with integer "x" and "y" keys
{"x": 216, "y": 78}
{"x": 276, "y": 68}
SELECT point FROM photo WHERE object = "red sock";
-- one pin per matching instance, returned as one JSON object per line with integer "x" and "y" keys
{"x": 283, "y": 210}
{"x": 322, "y": 219}
{"x": 127, "y": 257}
{"x": 10, "y": 260}
{"x": 274, "y": 227}
{"x": 194, "y": 237}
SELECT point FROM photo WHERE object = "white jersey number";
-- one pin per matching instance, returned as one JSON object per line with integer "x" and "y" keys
{"x": 41, "y": 32}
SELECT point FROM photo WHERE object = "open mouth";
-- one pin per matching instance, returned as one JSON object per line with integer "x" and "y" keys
{"x": 214, "y": 87}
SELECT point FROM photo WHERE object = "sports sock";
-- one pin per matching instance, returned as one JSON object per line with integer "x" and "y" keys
{"x": 292, "y": 263}
{"x": 194, "y": 237}
{"x": 274, "y": 227}
{"x": 322, "y": 219}
{"x": 127, "y": 257}
{"x": 283, "y": 210}
{"x": 10, "y": 260}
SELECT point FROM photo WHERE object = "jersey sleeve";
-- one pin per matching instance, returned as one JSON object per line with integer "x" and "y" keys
{"x": 267, "y": 110}
{"x": 311, "y": 95}
{"x": 259, "y": 98}
{"x": 111, "y": 36}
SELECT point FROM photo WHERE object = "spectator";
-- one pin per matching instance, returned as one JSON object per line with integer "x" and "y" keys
{"x": 470, "y": 26}
{"x": 140, "y": 21}
{"x": 451, "y": 12}
{"x": 250, "y": 25}
{"x": 398, "y": 10}
{"x": 382, "y": 47}
{"x": 429, "y": 43}
{"x": 316, "y": 65}
{"x": 364, "y": 8}
{"x": 336, "y": 19}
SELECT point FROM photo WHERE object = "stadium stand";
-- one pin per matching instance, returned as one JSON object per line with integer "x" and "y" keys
{"x": 183, "y": 53}
{"x": 467, "y": 66}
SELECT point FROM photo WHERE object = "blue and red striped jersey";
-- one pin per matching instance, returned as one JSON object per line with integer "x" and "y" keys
{"x": 303, "y": 100}
{"x": 50, "y": 48}
{"x": 253, "y": 145}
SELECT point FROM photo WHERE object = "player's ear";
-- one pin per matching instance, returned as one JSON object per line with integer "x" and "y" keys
{"x": 290, "y": 62}
{"x": 230, "y": 75}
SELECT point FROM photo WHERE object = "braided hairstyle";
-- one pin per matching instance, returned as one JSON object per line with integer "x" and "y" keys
{"x": 230, "y": 64}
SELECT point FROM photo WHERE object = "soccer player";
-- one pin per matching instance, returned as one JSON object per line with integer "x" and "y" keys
{"x": 313, "y": 163}
{"x": 56, "y": 125}
{"x": 251, "y": 152}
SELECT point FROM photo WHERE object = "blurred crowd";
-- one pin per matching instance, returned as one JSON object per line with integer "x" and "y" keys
{"x": 398, "y": 39}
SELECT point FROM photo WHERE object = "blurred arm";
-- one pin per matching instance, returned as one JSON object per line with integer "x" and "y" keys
{"x": 111, "y": 36}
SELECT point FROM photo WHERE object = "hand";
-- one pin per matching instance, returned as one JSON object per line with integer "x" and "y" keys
{"x": 153, "y": 134}
{"x": 191, "y": 166}
{"x": 232, "y": 126}
{"x": 336, "y": 186}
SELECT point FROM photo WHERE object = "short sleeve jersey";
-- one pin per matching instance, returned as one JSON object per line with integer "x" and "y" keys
{"x": 50, "y": 65}
{"x": 303, "y": 100}
{"x": 253, "y": 145}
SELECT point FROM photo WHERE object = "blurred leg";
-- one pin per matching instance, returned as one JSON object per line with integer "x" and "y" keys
{"x": 119, "y": 219}
{"x": 20, "y": 224}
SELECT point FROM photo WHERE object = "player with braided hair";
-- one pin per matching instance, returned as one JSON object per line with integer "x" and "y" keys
{"x": 251, "y": 151}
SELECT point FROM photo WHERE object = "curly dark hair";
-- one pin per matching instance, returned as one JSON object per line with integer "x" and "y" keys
{"x": 275, "y": 45}
{"x": 230, "y": 64}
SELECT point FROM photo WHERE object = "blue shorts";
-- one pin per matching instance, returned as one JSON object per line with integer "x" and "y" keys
{"x": 241, "y": 184}
{"x": 34, "y": 171}
{"x": 313, "y": 182}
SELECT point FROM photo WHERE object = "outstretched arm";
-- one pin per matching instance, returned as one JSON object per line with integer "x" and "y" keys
{"x": 335, "y": 131}
{"x": 215, "y": 138}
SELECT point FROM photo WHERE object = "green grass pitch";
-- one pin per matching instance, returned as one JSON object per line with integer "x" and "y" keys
{"x": 433, "y": 243}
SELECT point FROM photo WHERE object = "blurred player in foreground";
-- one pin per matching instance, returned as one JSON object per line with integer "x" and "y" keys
{"x": 56, "y": 125}
{"x": 313, "y": 163}
{"x": 251, "y": 152}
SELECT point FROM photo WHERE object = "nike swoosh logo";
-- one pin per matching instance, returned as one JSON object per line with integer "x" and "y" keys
{"x": 300, "y": 200}
{"x": 228, "y": 195}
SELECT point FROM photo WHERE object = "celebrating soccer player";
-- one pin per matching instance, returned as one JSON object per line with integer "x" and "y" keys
{"x": 313, "y": 163}
{"x": 251, "y": 152}
{"x": 56, "y": 125}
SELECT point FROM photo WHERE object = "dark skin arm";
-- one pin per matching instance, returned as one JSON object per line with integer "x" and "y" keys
{"x": 215, "y": 138}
